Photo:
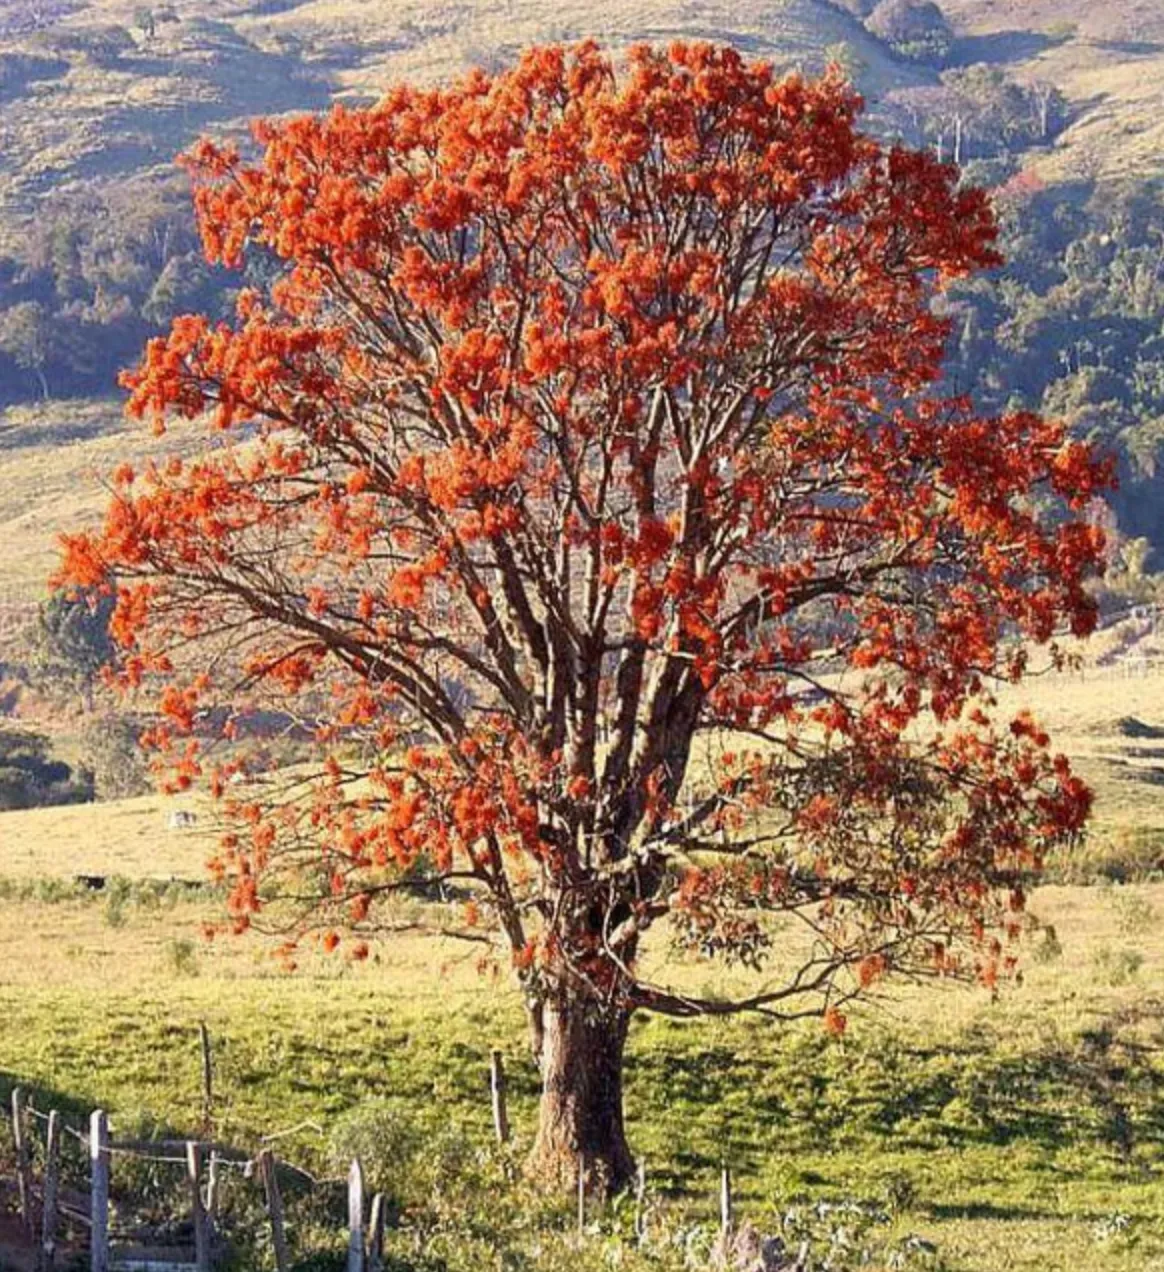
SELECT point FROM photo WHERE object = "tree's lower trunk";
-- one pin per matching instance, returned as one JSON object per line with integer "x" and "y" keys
{"x": 580, "y": 1117}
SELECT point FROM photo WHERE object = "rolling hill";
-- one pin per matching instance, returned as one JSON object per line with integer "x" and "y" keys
{"x": 1107, "y": 58}
{"x": 101, "y": 98}
{"x": 104, "y": 95}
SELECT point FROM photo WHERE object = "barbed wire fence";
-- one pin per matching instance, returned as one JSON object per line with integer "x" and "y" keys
{"x": 43, "y": 1203}
{"x": 44, "y": 1206}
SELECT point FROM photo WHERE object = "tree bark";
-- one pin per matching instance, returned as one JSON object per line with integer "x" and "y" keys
{"x": 580, "y": 1116}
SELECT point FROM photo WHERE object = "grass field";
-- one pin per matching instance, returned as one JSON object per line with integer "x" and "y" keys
{"x": 1012, "y": 1132}
{"x": 1022, "y": 1133}
{"x": 1025, "y": 1132}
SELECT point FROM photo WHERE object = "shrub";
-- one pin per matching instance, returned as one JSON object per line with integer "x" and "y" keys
{"x": 1117, "y": 967}
{"x": 1135, "y": 914}
{"x": 111, "y": 751}
{"x": 181, "y": 957}
{"x": 385, "y": 1138}
{"x": 914, "y": 29}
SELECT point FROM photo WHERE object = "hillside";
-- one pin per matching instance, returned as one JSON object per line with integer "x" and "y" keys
{"x": 99, "y": 98}
{"x": 94, "y": 96}
{"x": 1107, "y": 58}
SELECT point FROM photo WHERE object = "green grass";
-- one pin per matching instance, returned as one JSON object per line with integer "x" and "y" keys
{"x": 1008, "y": 1132}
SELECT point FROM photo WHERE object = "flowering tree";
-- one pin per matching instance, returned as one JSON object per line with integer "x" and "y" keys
{"x": 578, "y": 476}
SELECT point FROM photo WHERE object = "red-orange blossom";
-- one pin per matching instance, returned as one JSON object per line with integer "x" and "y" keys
{"x": 579, "y": 474}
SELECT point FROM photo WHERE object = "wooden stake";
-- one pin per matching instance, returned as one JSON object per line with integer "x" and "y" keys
{"x": 99, "y": 1192}
{"x": 497, "y": 1087}
{"x": 376, "y": 1235}
{"x": 641, "y": 1202}
{"x": 194, "y": 1179}
{"x": 213, "y": 1183}
{"x": 274, "y": 1208}
{"x": 23, "y": 1156}
{"x": 207, "y": 1078}
{"x": 52, "y": 1171}
{"x": 725, "y": 1204}
{"x": 355, "y": 1218}
{"x": 581, "y": 1194}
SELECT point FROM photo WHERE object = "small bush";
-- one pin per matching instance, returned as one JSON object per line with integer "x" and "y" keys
{"x": 385, "y": 1138}
{"x": 1135, "y": 914}
{"x": 118, "y": 892}
{"x": 181, "y": 957}
{"x": 1048, "y": 948}
{"x": 1117, "y": 967}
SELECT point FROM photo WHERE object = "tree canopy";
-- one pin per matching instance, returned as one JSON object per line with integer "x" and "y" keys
{"x": 579, "y": 475}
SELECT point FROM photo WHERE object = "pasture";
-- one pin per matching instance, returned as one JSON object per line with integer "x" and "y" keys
{"x": 1017, "y": 1132}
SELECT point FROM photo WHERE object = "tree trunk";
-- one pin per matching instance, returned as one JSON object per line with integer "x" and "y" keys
{"x": 580, "y": 1117}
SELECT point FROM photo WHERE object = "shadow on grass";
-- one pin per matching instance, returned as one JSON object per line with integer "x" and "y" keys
{"x": 1000, "y": 47}
{"x": 1004, "y": 1214}
{"x": 1129, "y": 48}
{"x": 43, "y": 435}
{"x": 1100, "y": 1092}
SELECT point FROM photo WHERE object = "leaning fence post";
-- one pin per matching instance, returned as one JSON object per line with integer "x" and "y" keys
{"x": 376, "y": 1235}
{"x": 99, "y": 1191}
{"x": 497, "y": 1087}
{"x": 207, "y": 1077}
{"x": 274, "y": 1208}
{"x": 23, "y": 1156}
{"x": 48, "y": 1217}
{"x": 355, "y": 1218}
{"x": 194, "y": 1178}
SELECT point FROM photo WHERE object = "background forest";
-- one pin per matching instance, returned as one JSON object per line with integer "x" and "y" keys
{"x": 1023, "y": 1132}
{"x": 98, "y": 249}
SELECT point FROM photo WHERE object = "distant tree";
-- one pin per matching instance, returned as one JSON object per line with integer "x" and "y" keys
{"x": 70, "y": 643}
{"x": 110, "y": 750}
{"x": 94, "y": 275}
{"x": 846, "y": 56}
{"x": 145, "y": 21}
{"x": 26, "y": 336}
{"x": 588, "y": 490}
{"x": 915, "y": 29}
{"x": 30, "y": 777}
{"x": 186, "y": 283}
{"x": 1050, "y": 108}
{"x": 979, "y": 111}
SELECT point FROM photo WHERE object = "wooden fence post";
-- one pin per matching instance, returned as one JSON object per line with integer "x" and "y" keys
{"x": 99, "y": 1192}
{"x": 213, "y": 1182}
{"x": 376, "y": 1235}
{"x": 23, "y": 1156}
{"x": 581, "y": 1194}
{"x": 641, "y": 1201}
{"x": 355, "y": 1218}
{"x": 274, "y": 1208}
{"x": 725, "y": 1205}
{"x": 194, "y": 1179}
{"x": 207, "y": 1078}
{"x": 52, "y": 1168}
{"x": 497, "y": 1087}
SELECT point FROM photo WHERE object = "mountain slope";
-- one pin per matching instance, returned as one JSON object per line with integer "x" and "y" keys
{"x": 1107, "y": 58}
{"x": 105, "y": 106}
